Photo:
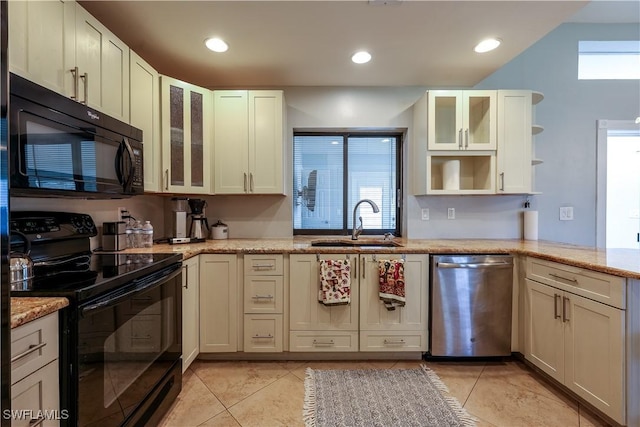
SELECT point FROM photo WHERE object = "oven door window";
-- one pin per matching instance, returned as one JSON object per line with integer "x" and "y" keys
{"x": 124, "y": 349}
{"x": 60, "y": 157}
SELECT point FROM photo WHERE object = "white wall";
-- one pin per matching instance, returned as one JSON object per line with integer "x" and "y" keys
{"x": 568, "y": 113}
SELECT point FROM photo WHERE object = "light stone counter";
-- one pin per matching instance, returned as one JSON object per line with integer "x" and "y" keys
{"x": 620, "y": 262}
{"x": 24, "y": 310}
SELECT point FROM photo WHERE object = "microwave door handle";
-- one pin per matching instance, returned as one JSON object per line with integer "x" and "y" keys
{"x": 132, "y": 165}
{"x": 119, "y": 163}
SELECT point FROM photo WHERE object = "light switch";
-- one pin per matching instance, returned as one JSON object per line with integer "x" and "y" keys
{"x": 425, "y": 214}
{"x": 451, "y": 213}
{"x": 566, "y": 213}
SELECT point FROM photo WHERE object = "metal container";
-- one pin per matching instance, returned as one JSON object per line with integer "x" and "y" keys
{"x": 20, "y": 264}
{"x": 219, "y": 231}
{"x": 118, "y": 227}
{"x": 114, "y": 242}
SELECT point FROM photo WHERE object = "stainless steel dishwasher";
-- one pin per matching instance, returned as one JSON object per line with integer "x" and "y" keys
{"x": 471, "y": 305}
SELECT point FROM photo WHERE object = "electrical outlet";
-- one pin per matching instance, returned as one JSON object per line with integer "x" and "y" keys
{"x": 121, "y": 212}
{"x": 566, "y": 213}
{"x": 425, "y": 214}
{"x": 451, "y": 213}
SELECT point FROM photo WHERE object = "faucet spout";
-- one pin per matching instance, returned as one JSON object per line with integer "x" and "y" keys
{"x": 357, "y": 230}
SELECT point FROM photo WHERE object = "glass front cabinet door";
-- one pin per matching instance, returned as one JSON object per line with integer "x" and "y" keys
{"x": 186, "y": 111}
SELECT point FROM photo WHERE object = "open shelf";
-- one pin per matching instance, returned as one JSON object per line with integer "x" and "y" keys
{"x": 536, "y": 161}
{"x": 536, "y": 97}
{"x": 536, "y": 129}
{"x": 476, "y": 174}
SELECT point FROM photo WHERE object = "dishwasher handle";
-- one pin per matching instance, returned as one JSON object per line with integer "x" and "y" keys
{"x": 501, "y": 264}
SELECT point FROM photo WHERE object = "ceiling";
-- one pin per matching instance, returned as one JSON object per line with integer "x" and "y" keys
{"x": 309, "y": 43}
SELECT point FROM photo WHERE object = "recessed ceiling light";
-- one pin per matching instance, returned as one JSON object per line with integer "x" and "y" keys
{"x": 487, "y": 45}
{"x": 361, "y": 57}
{"x": 217, "y": 45}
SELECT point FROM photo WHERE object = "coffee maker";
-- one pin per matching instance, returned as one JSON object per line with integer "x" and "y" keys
{"x": 199, "y": 225}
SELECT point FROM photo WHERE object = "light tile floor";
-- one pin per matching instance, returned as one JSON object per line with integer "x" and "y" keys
{"x": 265, "y": 394}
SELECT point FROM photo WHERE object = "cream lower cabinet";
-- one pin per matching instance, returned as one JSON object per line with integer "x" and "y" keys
{"x": 34, "y": 371}
{"x": 218, "y": 303}
{"x": 578, "y": 342}
{"x": 314, "y": 327}
{"x": 263, "y": 303}
{"x": 190, "y": 311}
{"x": 402, "y": 329}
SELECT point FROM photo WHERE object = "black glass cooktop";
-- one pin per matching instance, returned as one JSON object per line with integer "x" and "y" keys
{"x": 82, "y": 277}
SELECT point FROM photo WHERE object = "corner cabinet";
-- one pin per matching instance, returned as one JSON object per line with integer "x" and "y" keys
{"x": 574, "y": 332}
{"x": 248, "y": 135}
{"x": 186, "y": 112}
{"x": 190, "y": 311}
{"x": 515, "y": 159}
{"x": 144, "y": 101}
{"x": 218, "y": 303}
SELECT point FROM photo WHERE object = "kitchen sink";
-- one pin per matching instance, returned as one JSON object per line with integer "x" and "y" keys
{"x": 355, "y": 243}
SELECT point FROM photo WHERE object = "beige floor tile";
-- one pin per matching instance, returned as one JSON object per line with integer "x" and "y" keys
{"x": 480, "y": 422}
{"x": 500, "y": 402}
{"x": 459, "y": 377}
{"x": 231, "y": 382}
{"x": 300, "y": 371}
{"x": 224, "y": 419}
{"x": 195, "y": 404}
{"x": 279, "y": 404}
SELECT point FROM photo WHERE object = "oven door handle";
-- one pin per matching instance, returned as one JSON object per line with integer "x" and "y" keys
{"x": 116, "y": 299}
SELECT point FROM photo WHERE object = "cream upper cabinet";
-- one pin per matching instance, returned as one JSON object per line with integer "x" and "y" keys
{"x": 186, "y": 137}
{"x": 218, "y": 303}
{"x": 578, "y": 341}
{"x": 42, "y": 42}
{"x": 514, "y": 155}
{"x": 462, "y": 120}
{"x": 401, "y": 329}
{"x": 102, "y": 61}
{"x": 190, "y": 311}
{"x": 144, "y": 101}
{"x": 248, "y": 135}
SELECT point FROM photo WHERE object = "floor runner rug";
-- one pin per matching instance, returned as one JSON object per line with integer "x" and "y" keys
{"x": 380, "y": 397}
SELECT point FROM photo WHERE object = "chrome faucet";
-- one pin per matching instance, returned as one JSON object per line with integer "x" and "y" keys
{"x": 357, "y": 230}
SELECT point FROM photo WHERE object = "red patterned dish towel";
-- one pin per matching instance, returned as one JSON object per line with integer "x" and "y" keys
{"x": 335, "y": 282}
{"x": 391, "y": 273}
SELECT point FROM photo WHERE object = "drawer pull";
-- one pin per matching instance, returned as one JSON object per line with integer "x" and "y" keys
{"x": 556, "y": 276}
{"x": 256, "y": 336}
{"x": 32, "y": 348}
{"x": 259, "y": 297}
{"x": 329, "y": 343}
{"x": 263, "y": 266}
{"x": 394, "y": 342}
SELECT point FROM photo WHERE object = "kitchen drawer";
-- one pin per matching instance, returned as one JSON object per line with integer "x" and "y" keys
{"x": 601, "y": 287}
{"x": 263, "y": 265}
{"x": 37, "y": 393}
{"x": 33, "y": 345}
{"x": 320, "y": 341}
{"x": 393, "y": 341}
{"x": 263, "y": 294}
{"x": 263, "y": 333}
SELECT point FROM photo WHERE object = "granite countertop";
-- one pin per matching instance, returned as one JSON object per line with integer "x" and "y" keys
{"x": 24, "y": 310}
{"x": 620, "y": 262}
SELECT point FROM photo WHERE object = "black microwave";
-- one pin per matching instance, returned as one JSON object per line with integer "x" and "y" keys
{"x": 60, "y": 147}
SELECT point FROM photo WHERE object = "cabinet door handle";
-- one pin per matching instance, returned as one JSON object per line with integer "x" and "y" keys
{"x": 355, "y": 270}
{"x": 256, "y": 336}
{"x": 364, "y": 266}
{"x": 74, "y": 73}
{"x": 186, "y": 276}
{"x": 565, "y": 317}
{"x": 460, "y": 139}
{"x": 329, "y": 343}
{"x": 31, "y": 349}
{"x": 557, "y": 276}
{"x": 166, "y": 179}
{"x": 251, "y": 182}
{"x": 245, "y": 182}
{"x": 466, "y": 138}
{"x": 85, "y": 84}
{"x": 501, "y": 181}
{"x": 259, "y": 297}
{"x": 556, "y": 298}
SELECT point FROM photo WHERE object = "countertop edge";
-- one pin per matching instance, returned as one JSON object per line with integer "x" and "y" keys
{"x": 27, "y": 309}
